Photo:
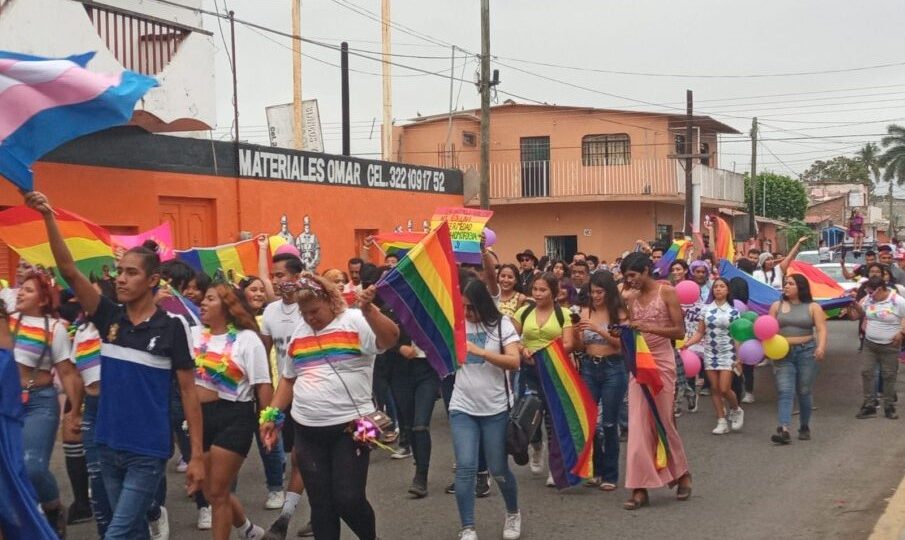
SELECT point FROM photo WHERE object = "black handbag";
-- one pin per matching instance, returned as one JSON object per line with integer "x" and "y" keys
{"x": 524, "y": 419}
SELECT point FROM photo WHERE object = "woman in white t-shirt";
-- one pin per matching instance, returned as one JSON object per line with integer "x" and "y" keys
{"x": 41, "y": 345}
{"x": 231, "y": 372}
{"x": 478, "y": 409}
{"x": 328, "y": 378}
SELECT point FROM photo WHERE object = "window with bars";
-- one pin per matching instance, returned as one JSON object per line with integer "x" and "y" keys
{"x": 614, "y": 149}
{"x": 664, "y": 233}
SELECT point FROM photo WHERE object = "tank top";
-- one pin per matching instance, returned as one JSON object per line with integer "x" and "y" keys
{"x": 797, "y": 322}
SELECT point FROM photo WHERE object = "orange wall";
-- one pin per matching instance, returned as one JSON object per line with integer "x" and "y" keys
{"x": 129, "y": 198}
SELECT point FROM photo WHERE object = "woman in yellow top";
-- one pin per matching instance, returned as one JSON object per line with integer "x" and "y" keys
{"x": 510, "y": 299}
{"x": 539, "y": 324}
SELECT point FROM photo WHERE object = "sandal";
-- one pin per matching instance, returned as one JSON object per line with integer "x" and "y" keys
{"x": 593, "y": 482}
{"x": 607, "y": 486}
{"x": 683, "y": 493}
{"x": 639, "y": 499}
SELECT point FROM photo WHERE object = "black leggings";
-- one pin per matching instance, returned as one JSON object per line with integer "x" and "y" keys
{"x": 335, "y": 471}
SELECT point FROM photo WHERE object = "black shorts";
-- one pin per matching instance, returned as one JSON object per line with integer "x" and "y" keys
{"x": 288, "y": 431}
{"x": 229, "y": 425}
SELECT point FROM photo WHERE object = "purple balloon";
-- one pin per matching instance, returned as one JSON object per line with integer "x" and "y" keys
{"x": 751, "y": 352}
{"x": 489, "y": 237}
{"x": 739, "y": 306}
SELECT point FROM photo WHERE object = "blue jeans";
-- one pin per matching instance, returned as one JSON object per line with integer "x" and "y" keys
{"x": 274, "y": 463}
{"x": 607, "y": 381}
{"x": 795, "y": 375}
{"x": 42, "y": 419}
{"x": 468, "y": 432}
{"x": 100, "y": 504}
{"x": 132, "y": 481}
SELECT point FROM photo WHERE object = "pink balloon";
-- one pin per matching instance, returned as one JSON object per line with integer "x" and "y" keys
{"x": 489, "y": 237}
{"x": 691, "y": 361}
{"x": 765, "y": 327}
{"x": 688, "y": 292}
{"x": 288, "y": 248}
{"x": 751, "y": 352}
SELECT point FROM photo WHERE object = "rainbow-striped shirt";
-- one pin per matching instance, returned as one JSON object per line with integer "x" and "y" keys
{"x": 35, "y": 339}
{"x": 86, "y": 353}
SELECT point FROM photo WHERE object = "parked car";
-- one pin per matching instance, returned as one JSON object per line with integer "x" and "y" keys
{"x": 834, "y": 270}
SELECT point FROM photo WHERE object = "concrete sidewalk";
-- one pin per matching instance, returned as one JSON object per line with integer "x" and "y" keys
{"x": 891, "y": 525}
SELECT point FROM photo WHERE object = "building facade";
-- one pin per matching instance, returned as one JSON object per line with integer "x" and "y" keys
{"x": 566, "y": 179}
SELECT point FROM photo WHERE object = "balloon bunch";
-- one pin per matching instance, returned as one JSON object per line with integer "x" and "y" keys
{"x": 759, "y": 337}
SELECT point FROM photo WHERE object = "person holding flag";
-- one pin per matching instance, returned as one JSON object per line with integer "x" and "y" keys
{"x": 655, "y": 318}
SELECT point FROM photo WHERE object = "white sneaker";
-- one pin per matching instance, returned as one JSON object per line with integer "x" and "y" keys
{"x": 402, "y": 453}
{"x": 468, "y": 534}
{"x": 512, "y": 529}
{"x": 722, "y": 427}
{"x": 749, "y": 398}
{"x": 204, "y": 518}
{"x": 182, "y": 466}
{"x": 275, "y": 500}
{"x": 536, "y": 455}
{"x": 160, "y": 529}
{"x": 256, "y": 533}
{"x": 737, "y": 419}
{"x": 550, "y": 482}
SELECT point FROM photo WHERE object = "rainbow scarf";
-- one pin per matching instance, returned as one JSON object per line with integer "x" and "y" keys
{"x": 87, "y": 354}
{"x": 30, "y": 339}
{"x": 327, "y": 348}
{"x": 573, "y": 414}
{"x": 397, "y": 243}
{"x": 640, "y": 363}
{"x": 237, "y": 260}
{"x": 677, "y": 251}
{"x": 423, "y": 291}
{"x": 23, "y": 230}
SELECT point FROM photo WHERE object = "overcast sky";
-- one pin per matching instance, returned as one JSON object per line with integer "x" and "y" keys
{"x": 700, "y": 37}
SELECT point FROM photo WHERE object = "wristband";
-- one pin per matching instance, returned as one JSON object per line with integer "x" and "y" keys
{"x": 272, "y": 414}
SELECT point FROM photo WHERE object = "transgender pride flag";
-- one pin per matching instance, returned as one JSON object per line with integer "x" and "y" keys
{"x": 45, "y": 102}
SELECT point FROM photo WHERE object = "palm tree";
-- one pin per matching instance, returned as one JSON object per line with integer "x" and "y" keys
{"x": 893, "y": 161}
{"x": 869, "y": 155}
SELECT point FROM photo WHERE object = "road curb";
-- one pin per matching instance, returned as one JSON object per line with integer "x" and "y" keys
{"x": 891, "y": 525}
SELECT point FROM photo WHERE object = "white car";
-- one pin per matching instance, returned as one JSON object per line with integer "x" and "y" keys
{"x": 835, "y": 271}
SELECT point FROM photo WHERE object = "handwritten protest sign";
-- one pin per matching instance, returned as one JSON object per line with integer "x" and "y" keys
{"x": 465, "y": 228}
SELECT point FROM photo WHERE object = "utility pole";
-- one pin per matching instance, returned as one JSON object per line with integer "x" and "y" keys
{"x": 484, "y": 192}
{"x": 387, "y": 131}
{"x": 344, "y": 68}
{"x": 232, "y": 37}
{"x": 689, "y": 184}
{"x": 297, "y": 74}
{"x": 752, "y": 208}
{"x": 452, "y": 75}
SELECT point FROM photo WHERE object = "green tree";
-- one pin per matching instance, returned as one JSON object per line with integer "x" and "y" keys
{"x": 840, "y": 169}
{"x": 893, "y": 161}
{"x": 869, "y": 155}
{"x": 795, "y": 230}
{"x": 786, "y": 198}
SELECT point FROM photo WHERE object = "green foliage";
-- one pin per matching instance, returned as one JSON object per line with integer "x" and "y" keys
{"x": 893, "y": 159}
{"x": 795, "y": 230}
{"x": 786, "y": 197}
{"x": 840, "y": 169}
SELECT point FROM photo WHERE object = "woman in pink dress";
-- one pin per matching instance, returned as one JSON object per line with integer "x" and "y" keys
{"x": 654, "y": 310}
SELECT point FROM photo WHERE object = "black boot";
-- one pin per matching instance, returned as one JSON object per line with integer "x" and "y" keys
{"x": 57, "y": 520}
{"x": 77, "y": 470}
{"x": 419, "y": 485}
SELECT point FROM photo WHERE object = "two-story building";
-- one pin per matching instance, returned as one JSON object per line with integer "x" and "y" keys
{"x": 566, "y": 179}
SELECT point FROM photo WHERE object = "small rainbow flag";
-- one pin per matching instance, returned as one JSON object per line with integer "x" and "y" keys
{"x": 724, "y": 243}
{"x": 235, "y": 260}
{"x": 23, "y": 230}
{"x": 640, "y": 363}
{"x": 677, "y": 251}
{"x": 423, "y": 291}
{"x": 573, "y": 414}
{"x": 397, "y": 243}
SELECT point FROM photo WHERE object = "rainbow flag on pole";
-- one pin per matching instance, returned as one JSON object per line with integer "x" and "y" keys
{"x": 640, "y": 363}
{"x": 45, "y": 102}
{"x": 677, "y": 251}
{"x": 237, "y": 260}
{"x": 397, "y": 243}
{"x": 423, "y": 291}
{"x": 724, "y": 243}
{"x": 23, "y": 230}
{"x": 573, "y": 414}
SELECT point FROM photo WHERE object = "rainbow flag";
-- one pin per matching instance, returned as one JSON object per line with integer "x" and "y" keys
{"x": 573, "y": 415}
{"x": 177, "y": 304}
{"x": 397, "y": 243}
{"x": 640, "y": 363}
{"x": 724, "y": 243}
{"x": 23, "y": 230}
{"x": 677, "y": 251}
{"x": 45, "y": 102}
{"x": 423, "y": 291}
{"x": 235, "y": 260}
{"x": 761, "y": 296}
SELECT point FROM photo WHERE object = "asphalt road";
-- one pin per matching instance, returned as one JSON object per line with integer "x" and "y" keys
{"x": 834, "y": 486}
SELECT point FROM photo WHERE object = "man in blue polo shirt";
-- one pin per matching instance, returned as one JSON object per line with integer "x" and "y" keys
{"x": 142, "y": 348}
